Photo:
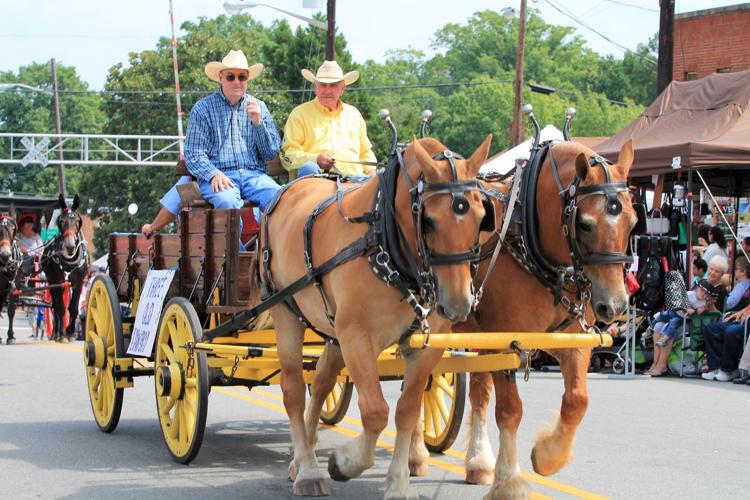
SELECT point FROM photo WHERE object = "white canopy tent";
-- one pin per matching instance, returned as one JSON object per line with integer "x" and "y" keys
{"x": 503, "y": 162}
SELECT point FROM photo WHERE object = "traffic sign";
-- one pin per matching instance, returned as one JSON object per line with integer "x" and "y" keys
{"x": 37, "y": 152}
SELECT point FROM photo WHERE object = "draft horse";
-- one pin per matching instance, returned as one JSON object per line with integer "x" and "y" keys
{"x": 10, "y": 268}
{"x": 65, "y": 262}
{"x": 581, "y": 222}
{"x": 384, "y": 254}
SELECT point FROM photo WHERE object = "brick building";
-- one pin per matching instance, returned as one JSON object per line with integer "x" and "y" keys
{"x": 711, "y": 41}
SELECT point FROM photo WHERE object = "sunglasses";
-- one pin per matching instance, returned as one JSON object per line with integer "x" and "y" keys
{"x": 231, "y": 76}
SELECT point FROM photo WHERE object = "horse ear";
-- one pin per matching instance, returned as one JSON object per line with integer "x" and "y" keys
{"x": 625, "y": 158}
{"x": 76, "y": 202}
{"x": 582, "y": 165}
{"x": 63, "y": 205}
{"x": 424, "y": 159}
{"x": 479, "y": 156}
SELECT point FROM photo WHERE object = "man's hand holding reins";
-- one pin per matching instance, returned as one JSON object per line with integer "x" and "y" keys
{"x": 325, "y": 162}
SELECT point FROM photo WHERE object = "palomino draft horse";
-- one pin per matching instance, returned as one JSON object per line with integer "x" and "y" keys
{"x": 65, "y": 259}
{"x": 584, "y": 219}
{"x": 10, "y": 266}
{"x": 414, "y": 227}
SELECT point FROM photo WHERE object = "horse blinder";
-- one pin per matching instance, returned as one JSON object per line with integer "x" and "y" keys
{"x": 488, "y": 221}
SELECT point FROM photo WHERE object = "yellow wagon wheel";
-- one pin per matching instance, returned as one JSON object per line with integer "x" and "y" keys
{"x": 103, "y": 343}
{"x": 337, "y": 403}
{"x": 182, "y": 382}
{"x": 443, "y": 409}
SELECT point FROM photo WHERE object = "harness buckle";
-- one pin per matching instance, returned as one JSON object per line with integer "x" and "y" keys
{"x": 266, "y": 255}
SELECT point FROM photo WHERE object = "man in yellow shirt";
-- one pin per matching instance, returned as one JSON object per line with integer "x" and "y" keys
{"x": 325, "y": 134}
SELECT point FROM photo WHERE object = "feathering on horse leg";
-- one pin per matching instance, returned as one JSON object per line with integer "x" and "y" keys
{"x": 358, "y": 455}
{"x": 508, "y": 413}
{"x": 479, "y": 460}
{"x": 327, "y": 369}
{"x": 308, "y": 479}
{"x": 419, "y": 365}
{"x": 554, "y": 445}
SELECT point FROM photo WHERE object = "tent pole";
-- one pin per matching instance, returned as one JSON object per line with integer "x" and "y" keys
{"x": 689, "y": 263}
{"x": 721, "y": 212}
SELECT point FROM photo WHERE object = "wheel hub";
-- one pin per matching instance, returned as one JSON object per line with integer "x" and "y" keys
{"x": 170, "y": 380}
{"x": 94, "y": 353}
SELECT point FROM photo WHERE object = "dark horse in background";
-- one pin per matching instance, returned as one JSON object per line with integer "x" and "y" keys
{"x": 10, "y": 266}
{"x": 65, "y": 258}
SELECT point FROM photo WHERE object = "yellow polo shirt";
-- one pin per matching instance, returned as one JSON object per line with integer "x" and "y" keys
{"x": 313, "y": 129}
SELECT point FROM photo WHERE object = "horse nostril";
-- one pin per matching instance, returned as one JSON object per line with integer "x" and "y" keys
{"x": 604, "y": 311}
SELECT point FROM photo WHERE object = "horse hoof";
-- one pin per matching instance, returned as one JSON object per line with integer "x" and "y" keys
{"x": 311, "y": 488}
{"x": 334, "y": 471}
{"x": 410, "y": 495}
{"x": 479, "y": 477}
{"x": 71, "y": 339}
{"x": 419, "y": 470}
{"x": 10, "y": 341}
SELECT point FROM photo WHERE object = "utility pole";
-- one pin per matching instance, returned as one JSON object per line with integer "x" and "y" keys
{"x": 176, "y": 83}
{"x": 666, "y": 44}
{"x": 60, "y": 167}
{"x": 516, "y": 125}
{"x": 331, "y": 35}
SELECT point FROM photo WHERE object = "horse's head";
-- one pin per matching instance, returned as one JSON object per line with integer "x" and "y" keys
{"x": 8, "y": 230}
{"x": 69, "y": 223}
{"x": 597, "y": 219}
{"x": 440, "y": 201}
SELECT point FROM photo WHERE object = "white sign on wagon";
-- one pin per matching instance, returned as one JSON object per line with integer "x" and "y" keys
{"x": 149, "y": 312}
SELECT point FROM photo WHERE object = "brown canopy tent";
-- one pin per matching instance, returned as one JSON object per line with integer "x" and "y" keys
{"x": 705, "y": 123}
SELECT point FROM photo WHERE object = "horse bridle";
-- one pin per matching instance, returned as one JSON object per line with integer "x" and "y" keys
{"x": 526, "y": 248}
{"x": 10, "y": 266}
{"x": 80, "y": 253}
{"x": 420, "y": 192}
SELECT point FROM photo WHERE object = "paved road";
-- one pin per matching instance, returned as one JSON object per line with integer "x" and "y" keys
{"x": 668, "y": 438}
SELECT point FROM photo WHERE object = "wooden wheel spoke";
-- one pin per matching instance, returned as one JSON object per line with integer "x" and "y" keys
{"x": 428, "y": 426}
{"x": 444, "y": 386}
{"x": 168, "y": 353}
{"x": 330, "y": 403}
{"x": 443, "y": 410}
{"x": 167, "y": 407}
{"x": 175, "y": 424}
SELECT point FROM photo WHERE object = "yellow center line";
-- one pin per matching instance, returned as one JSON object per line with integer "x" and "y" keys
{"x": 529, "y": 476}
{"x": 442, "y": 464}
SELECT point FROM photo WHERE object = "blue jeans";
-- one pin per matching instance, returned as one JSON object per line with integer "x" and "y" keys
{"x": 312, "y": 168}
{"x": 171, "y": 200}
{"x": 252, "y": 185}
{"x": 673, "y": 321}
{"x": 723, "y": 345}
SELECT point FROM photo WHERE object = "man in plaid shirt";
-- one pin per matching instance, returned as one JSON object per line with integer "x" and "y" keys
{"x": 230, "y": 137}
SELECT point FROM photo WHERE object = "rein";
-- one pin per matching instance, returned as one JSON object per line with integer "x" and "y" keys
{"x": 384, "y": 244}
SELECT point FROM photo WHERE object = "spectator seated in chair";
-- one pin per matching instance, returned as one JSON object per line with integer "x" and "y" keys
{"x": 723, "y": 341}
{"x": 668, "y": 323}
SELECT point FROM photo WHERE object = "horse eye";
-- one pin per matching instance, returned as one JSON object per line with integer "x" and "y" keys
{"x": 585, "y": 227}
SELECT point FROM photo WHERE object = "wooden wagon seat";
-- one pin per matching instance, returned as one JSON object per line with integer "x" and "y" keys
{"x": 190, "y": 195}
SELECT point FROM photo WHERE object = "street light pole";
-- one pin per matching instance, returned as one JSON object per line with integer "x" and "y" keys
{"x": 516, "y": 126}
{"x": 331, "y": 33}
{"x": 58, "y": 127}
{"x": 176, "y": 83}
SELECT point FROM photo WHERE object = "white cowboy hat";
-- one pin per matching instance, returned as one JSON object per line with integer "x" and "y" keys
{"x": 235, "y": 59}
{"x": 330, "y": 72}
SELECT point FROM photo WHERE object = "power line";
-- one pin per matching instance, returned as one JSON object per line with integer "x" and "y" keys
{"x": 579, "y": 21}
{"x": 76, "y": 36}
{"x": 625, "y": 4}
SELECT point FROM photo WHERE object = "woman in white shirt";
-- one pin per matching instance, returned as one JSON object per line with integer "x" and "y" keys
{"x": 717, "y": 245}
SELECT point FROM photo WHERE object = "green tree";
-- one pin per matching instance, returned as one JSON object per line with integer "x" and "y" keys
{"x": 33, "y": 112}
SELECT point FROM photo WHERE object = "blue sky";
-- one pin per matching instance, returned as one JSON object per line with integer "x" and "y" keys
{"x": 94, "y": 35}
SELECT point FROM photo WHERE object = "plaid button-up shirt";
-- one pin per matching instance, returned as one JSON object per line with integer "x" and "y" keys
{"x": 222, "y": 138}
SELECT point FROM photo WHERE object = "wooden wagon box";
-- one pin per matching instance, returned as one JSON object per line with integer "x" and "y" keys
{"x": 205, "y": 253}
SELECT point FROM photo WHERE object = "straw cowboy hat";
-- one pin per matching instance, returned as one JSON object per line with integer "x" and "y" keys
{"x": 235, "y": 59}
{"x": 330, "y": 72}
